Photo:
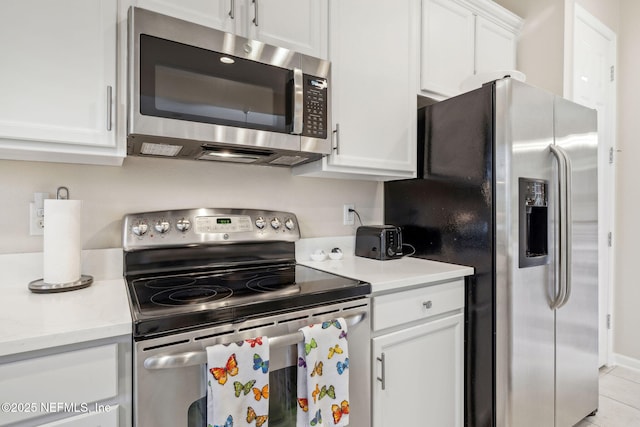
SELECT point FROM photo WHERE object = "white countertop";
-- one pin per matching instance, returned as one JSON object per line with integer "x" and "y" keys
{"x": 30, "y": 321}
{"x": 391, "y": 275}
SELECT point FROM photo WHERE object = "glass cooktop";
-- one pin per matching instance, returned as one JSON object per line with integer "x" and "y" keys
{"x": 171, "y": 303}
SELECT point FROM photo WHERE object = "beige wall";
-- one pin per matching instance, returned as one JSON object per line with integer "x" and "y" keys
{"x": 607, "y": 11}
{"x": 156, "y": 184}
{"x": 540, "y": 46}
{"x": 627, "y": 248}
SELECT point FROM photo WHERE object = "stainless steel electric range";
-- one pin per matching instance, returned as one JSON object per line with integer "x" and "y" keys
{"x": 200, "y": 277}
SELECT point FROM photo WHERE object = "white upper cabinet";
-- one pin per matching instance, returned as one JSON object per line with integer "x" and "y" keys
{"x": 219, "y": 14}
{"x": 495, "y": 47}
{"x": 447, "y": 45}
{"x": 57, "y": 80}
{"x": 372, "y": 48}
{"x": 461, "y": 38}
{"x": 299, "y": 25}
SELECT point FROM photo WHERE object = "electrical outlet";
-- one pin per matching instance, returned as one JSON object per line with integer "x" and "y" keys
{"x": 36, "y": 214}
{"x": 36, "y": 222}
{"x": 348, "y": 218}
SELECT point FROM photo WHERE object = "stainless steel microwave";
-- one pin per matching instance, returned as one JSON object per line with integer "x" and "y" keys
{"x": 198, "y": 93}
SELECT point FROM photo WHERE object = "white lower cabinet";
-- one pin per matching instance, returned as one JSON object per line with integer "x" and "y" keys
{"x": 82, "y": 385}
{"x": 418, "y": 357}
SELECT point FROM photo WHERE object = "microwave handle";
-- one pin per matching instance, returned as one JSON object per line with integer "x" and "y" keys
{"x": 298, "y": 101}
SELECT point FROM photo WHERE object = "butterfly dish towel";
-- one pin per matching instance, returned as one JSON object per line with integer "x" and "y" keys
{"x": 238, "y": 384}
{"x": 323, "y": 375}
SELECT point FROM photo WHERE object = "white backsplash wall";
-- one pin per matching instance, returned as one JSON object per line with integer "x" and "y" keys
{"x": 142, "y": 184}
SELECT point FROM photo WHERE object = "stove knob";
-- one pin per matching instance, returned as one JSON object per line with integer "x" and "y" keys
{"x": 162, "y": 226}
{"x": 183, "y": 225}
{"x": 289, "y": 224}
{"x": 260, "y": 222}
{"x": 140, "y": 228}
{"x": 275, "y": 223}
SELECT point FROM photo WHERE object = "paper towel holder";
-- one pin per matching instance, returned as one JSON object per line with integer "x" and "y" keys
{"x": 40, "y": 287}
{"x": 62, "y": 193}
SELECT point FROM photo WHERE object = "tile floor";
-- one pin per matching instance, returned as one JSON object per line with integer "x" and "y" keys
{"x": 619, "y": 399}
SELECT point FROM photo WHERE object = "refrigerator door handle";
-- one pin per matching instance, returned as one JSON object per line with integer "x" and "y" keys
{"x": 568, "y": 218}
{"x": 563, "y": 253}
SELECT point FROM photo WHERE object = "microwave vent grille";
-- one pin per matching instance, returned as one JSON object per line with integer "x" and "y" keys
{"x": 288, "y": 160}
{"x": 165, "y": 150}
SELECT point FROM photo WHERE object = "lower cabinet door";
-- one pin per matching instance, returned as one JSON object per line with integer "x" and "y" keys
{"x": 418, "y": 375}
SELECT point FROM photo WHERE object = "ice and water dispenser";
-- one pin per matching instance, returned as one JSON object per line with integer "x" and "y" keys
{"x": 533, "y": 222}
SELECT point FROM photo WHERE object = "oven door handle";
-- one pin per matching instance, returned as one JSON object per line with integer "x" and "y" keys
{"x": 195, "y": 358}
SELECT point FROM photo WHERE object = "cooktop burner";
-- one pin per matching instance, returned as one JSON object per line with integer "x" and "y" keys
{"x": 207, "y": 288}
{"x": 169, "y": 282}
{"x": 190, "y": 295}
{"x": 195, "y": 268}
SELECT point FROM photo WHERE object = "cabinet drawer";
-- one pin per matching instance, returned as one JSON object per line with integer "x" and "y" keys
{"x": 74, "y": 379}
{"x": 408, "y": 306}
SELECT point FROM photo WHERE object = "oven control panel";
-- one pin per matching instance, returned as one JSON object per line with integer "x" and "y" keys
{"x": 223, "y": 224}
{"x": 208, "y": 226}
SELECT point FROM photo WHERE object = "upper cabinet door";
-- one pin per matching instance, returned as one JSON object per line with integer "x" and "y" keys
{"x": 372, "y": 50}
{"x": 220, "y": 14}
{"x": 495, "y": 47}
{"x": 447, "y": 46}
{"x": 58, "y": 76}
{"x": 299, "y": 25}
{"x": 463, "y": 38}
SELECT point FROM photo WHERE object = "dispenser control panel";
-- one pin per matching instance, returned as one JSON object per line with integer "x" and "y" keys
{"x": 533, "y": 222}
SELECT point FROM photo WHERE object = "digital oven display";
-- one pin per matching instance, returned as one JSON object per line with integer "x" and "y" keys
{"x": 222, "y": 224}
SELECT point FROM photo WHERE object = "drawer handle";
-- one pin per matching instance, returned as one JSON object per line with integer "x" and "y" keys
{"x": 427, "y": 304}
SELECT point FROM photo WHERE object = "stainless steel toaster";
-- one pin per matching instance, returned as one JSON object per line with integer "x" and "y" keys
{"x": 381, "y": 242}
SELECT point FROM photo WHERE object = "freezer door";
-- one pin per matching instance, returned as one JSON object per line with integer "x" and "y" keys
{"x": 577, "y": 319}
{"x": 524, "y": 290}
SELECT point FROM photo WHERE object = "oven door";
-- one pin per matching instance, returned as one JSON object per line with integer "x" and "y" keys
{"x": 170, "y": 372}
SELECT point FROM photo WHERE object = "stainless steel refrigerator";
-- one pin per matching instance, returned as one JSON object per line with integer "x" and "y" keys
{"x": 508, "y": 185}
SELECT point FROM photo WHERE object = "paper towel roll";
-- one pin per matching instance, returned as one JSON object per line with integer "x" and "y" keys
{"x": 62, "y": 241}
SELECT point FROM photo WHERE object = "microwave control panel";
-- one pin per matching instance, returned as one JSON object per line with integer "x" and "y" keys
{"x": 315, "y": 107}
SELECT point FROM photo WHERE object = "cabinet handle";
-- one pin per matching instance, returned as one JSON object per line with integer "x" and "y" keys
{"x": 232, "y": 8}
{"x": 382, "y": 378}
{"x": 337, "y": 133}
{"x": 255, "y": 9}
{"x": 109, "y": 106}
{"x": 427, "y": 304}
